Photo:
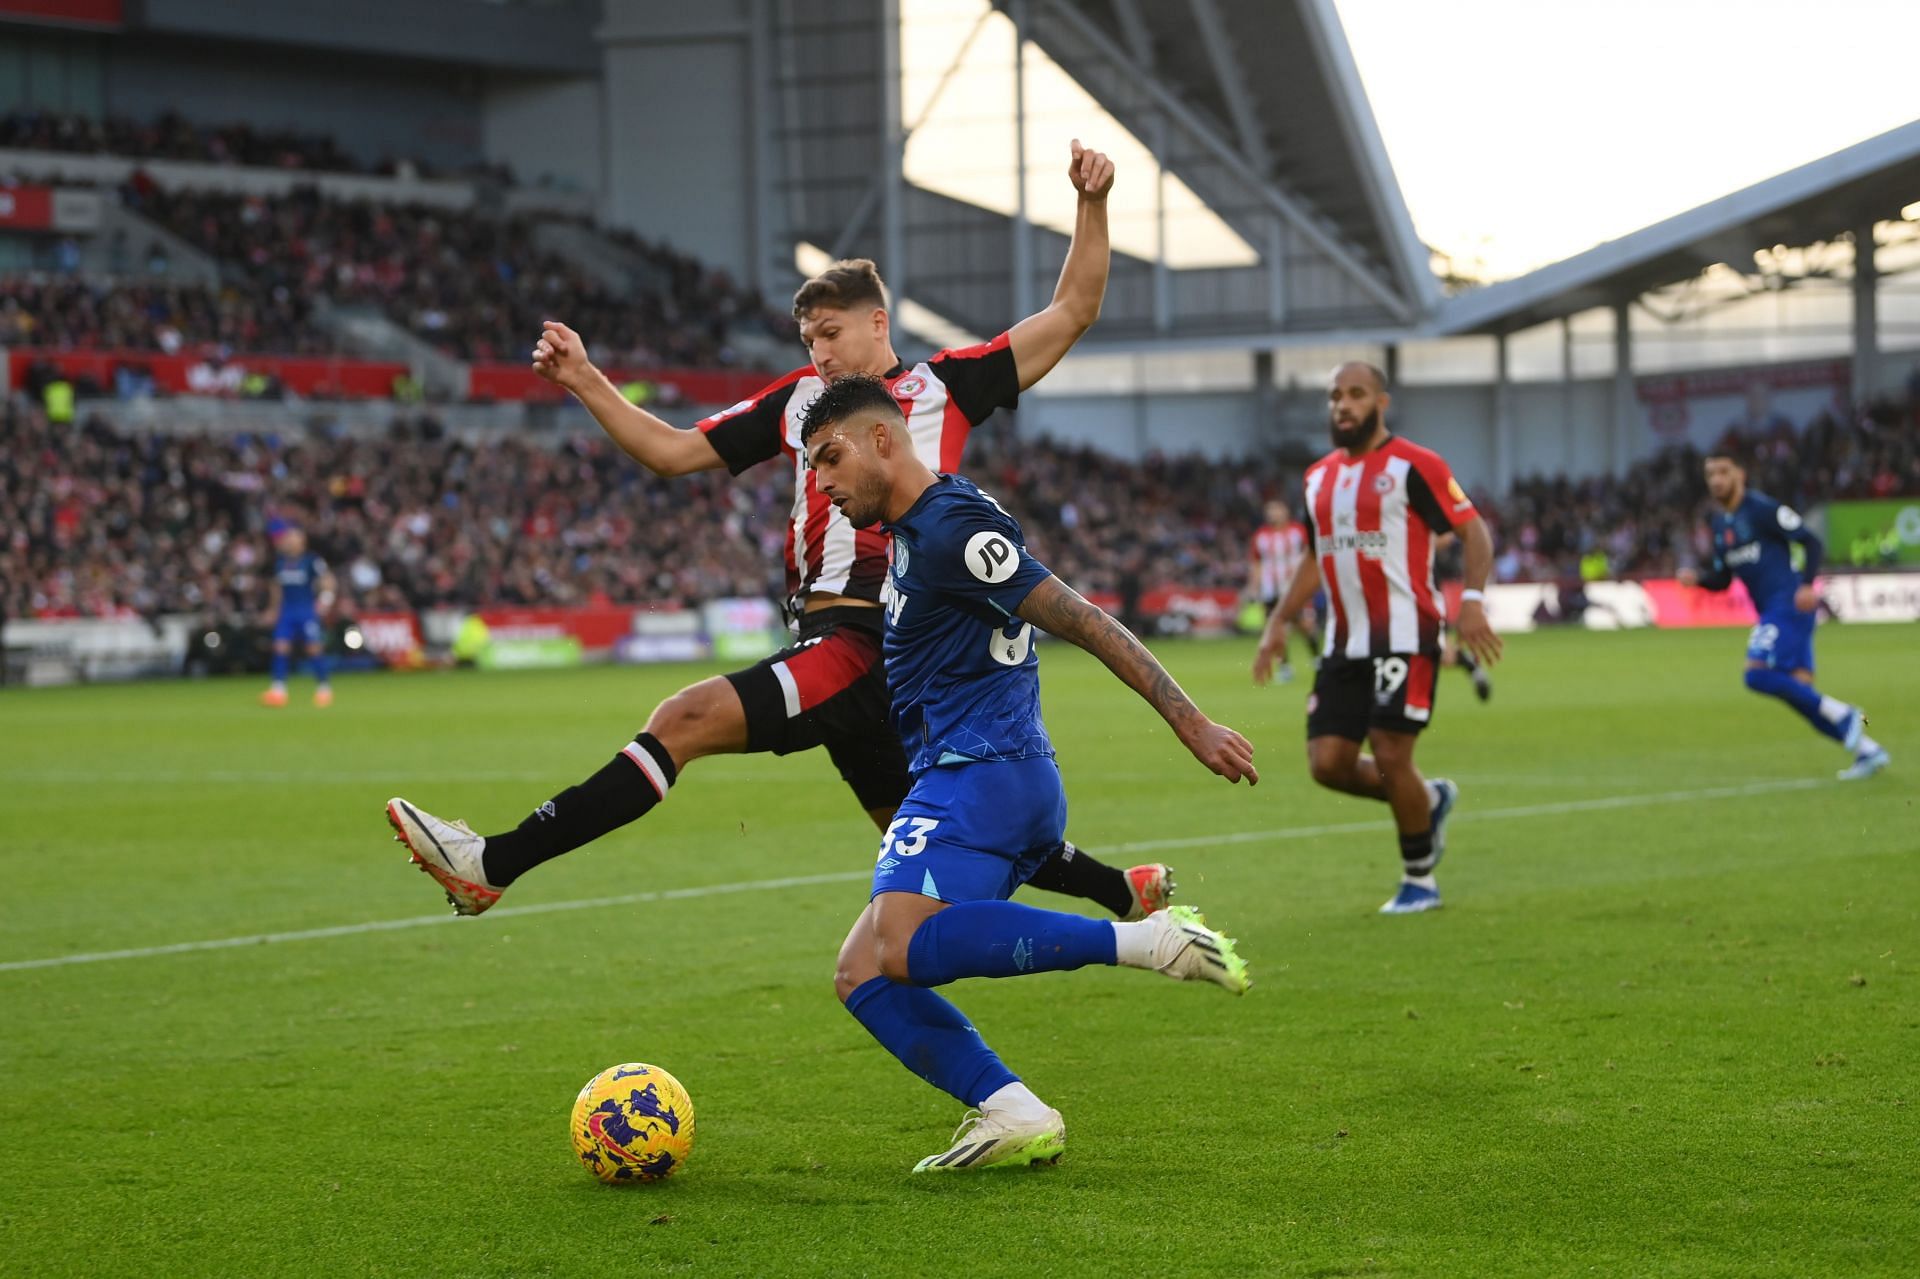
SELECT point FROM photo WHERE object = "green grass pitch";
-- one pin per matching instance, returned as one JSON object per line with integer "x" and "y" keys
{"x": 1667, "y": 1024}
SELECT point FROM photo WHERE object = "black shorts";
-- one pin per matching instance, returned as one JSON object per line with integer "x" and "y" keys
{"x": 830, "y": 690}
{"x": 1352, "y": 695}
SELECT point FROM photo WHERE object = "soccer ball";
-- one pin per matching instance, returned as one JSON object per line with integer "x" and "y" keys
{"x": 632, "y": 1123}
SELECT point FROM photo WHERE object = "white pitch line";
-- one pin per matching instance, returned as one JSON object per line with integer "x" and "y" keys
{"x": 1601, "y": 804}
{"x": 1491, "y": 814}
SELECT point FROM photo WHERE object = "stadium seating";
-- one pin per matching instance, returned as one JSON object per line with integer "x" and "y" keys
{"x": 1647, "y": 523}
{"x": 106, "y": 523}
{"x": 475, "y": 286}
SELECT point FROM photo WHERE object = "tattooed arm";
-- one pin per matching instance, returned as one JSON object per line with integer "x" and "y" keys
{"x": 1059, "y": 610}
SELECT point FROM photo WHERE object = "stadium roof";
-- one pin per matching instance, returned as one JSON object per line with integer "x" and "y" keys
{"x": 1254, "y": 105}
{"x": 1275, "y": 85}
{"x": 1873, "y": 180}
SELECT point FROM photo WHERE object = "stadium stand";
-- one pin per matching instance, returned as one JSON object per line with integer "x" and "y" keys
{"x": 171, "y": 136}
{"x": 103, "y": 522}
{"x": 1647, "y": 522}
{"x": 475, "y": 286}
{"x": 77, "y": 313}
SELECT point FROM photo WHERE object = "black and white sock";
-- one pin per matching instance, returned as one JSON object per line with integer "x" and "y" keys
{"x": 624, "y": 790}
{"x": 1416, "y": 854}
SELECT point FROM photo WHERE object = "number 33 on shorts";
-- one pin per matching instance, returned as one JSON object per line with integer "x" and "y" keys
{"x": 913, "y": 842}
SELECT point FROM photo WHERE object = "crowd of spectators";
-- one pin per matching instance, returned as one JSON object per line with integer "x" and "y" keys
{"x": 78, "y": 314}
{"x": 101, "y": 523}
{"x": 1647, "y": 523}
{"x": 475, "y": 286}
{"x": 97, "y": 522}
{"x": 171, "y": 136}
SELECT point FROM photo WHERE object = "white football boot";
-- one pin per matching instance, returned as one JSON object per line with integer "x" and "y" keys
{"x": 984, "y": 1140}
{"x": 448, "y": 851}
{"x": 1185, "y": 949}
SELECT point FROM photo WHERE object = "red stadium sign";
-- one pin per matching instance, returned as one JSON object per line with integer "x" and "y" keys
{"x": 391, "y": 637}
{"x": 332, "y": 377}
{"x": 73, "y": 13}
{"x": 322, "y": 376}
{"x": 26, "y": 208}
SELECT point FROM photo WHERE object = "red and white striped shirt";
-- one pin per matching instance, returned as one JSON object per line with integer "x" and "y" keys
{"x": 1278, "y": 553}
{"x": 1373, "y": 521}
{"x": 942, "y": 398}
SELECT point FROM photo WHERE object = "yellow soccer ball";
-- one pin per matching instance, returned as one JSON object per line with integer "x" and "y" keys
{"x": 632, "y": 1123}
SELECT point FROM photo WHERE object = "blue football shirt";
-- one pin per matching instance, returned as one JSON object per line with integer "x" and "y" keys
{"x": 961, "y": 669}
{"x": 1754, "y": 542}
{"x": 299, "y": 577}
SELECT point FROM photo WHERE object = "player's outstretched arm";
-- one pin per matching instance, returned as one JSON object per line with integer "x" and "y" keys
{"x": 1040, "y": 340}
{"x": 560, "y": 356}
{"x": 1476, "y": 632}
{"x": 1058, "y": 609}
{"x": 1273, "y": 640}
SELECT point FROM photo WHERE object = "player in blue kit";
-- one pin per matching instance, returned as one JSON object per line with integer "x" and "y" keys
{"x": 986, "y": 805}
{"x": 302, "y": 592}
{"x": 1753, "y": 537}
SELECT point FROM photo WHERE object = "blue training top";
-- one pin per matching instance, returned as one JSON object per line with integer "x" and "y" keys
{"x": 299, "y": 577}
{"x": 1754, "y": 542}
{"x": 961, "y": 669}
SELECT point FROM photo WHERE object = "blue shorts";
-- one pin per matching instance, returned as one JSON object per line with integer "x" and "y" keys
{"x": 974, "y": 832}
{"x": 1783, "y": 640}
{"x": 299, "y": 626}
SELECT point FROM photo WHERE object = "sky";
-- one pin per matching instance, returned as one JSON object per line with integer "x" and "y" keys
{"x": 1524, "y": 131}
{"x": 1521, "y": 131}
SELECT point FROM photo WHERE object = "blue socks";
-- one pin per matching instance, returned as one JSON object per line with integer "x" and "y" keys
{"x": 1804, "y": 698}
{"x": 1004, "y": 939}
{"x": 322, "y": 667}
{"x": 931, "y": 1037}
{"x": 280, "y": 663}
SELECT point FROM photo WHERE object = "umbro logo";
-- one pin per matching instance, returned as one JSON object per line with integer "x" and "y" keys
{"x": 547, "y": 811}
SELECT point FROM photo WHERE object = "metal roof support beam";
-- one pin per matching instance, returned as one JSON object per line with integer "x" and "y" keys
{"x": 1022, "y": 263}
{"x": 1133, "y": 28}
{"x": 1276, "y": 271}
{"x": 1279, "y": 201}
{"x": 1233, "y": 85}
{"x": 1363, "y": 134}
{"x": 1502, "y": 416}
{"x": 1162, "y": 277}
{"x": 893, "y": 146}
{"x": 762, "y": 218}
{"x": 1624, "y": 407}
{"x": 1866, "y": 316}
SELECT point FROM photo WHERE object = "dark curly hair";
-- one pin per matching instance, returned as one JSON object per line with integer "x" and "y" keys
{"x": 845, "y": 397}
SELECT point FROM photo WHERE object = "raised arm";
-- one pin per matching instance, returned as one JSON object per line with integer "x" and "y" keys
{"x": 560, "y": 356}
{"x": 1060, "y": 610}
{"x": 1041, "y": 339}
{"x": 1273, "y": 640}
